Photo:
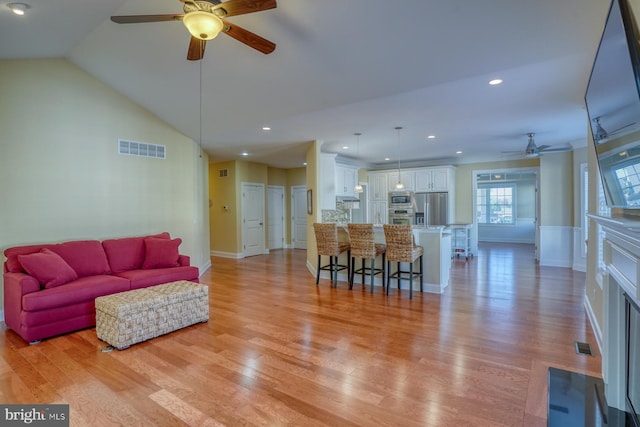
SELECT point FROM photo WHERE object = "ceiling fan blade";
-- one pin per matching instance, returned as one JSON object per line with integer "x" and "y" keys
{"x": 196, "y": 49}
{"x": 240, "y": 7}
{"x": 135, "y": 19}
{"x": 248, "y": 38}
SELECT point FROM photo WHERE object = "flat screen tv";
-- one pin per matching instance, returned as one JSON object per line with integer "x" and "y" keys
{"x": 613, "y": 105}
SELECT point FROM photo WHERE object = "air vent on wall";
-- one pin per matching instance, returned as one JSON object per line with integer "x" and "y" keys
{"x": 224, "y": 173}
{"x": 142, "y": 149}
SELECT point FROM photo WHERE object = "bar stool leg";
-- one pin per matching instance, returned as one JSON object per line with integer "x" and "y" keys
{"x": 421, "y": 273}
{"x": 318, "y": 270}
{"x": 371, "y": 272}
{"x": 388, "y": 274}
{"x": 384, "y": 272}
{"x": 399, "y": 275}
{"x": 411, "y": 280}
{"x": 352, "y": 262}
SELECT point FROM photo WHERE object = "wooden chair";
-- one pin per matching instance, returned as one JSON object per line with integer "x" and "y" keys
{"x": 401, "y": 248}
{"x": 364, "y": 246}
{"x": 328, "y": 245}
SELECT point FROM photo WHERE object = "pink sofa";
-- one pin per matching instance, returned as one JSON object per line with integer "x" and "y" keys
{"x": 50, "y": 289}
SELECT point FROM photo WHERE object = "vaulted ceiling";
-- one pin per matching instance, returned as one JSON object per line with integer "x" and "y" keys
{"x": 340, "y": 67}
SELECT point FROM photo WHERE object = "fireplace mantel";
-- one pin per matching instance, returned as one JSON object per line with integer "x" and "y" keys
{"x": 621, "y": 276}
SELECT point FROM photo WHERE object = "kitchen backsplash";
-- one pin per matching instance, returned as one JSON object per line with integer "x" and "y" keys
{"x": 340, "y": 215}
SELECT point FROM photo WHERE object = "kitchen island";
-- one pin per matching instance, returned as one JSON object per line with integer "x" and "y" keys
{"x": 436, "y": 242}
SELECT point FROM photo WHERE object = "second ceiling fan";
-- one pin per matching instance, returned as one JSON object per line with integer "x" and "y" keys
{"x": 205, "y": 19}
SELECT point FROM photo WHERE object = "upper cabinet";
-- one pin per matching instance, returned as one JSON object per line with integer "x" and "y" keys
{"x": 407, "y": 179}
{"x": 434, "y": 179}
{"x": 378, "y": 189}
{"x": 346, "y": 180}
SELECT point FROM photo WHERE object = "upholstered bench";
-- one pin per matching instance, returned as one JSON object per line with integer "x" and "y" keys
{"x": 131, "y": 317}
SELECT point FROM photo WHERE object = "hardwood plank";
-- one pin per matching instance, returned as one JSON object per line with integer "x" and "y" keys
{"x": 279, "y": 350}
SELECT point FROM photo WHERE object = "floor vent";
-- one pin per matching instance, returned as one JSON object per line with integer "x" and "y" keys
{"x": 583, "y": 348}
{"x": 142, "y": 149}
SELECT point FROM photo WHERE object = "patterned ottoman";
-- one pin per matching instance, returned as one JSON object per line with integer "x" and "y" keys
{"x": 134, "y": 316}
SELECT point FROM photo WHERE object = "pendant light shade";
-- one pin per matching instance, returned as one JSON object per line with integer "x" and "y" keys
{"x": 358, "y": 188}
{"x": 399, "y": 185}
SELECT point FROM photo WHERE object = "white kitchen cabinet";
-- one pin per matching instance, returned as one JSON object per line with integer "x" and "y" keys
{"x": 327, "y": 181}
{"x": 346, "y": 179}
{"x": 407, "y": 179}
{"x": 378, "y": 190}
{"x": 434, "y": 179}
{"x": 378, "y": 212}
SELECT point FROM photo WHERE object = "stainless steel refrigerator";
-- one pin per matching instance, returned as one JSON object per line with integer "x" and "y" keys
{"x": 431, "y": 208}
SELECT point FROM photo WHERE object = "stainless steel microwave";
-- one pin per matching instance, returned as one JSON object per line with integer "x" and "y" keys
{"x": 400, "y": 199}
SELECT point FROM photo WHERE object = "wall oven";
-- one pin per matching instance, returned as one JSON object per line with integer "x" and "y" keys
{"x": 401, "y": 216}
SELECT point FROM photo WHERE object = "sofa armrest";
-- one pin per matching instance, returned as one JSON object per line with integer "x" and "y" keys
{"x": 16, "y": 285}
{"x": 184, "y": 260}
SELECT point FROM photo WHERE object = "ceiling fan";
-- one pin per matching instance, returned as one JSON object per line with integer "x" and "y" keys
{"x": 205, "y": 19}
{"x": 534, "y": 150}
{"x": 599, "y": 134}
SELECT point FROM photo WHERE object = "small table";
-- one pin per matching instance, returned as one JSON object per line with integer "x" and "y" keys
{"x": 131, "y": 317}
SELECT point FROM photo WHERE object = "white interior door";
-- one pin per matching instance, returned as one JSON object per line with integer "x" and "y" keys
{"x": 299, "y": 217}
{"x": 275, "y": 213}
{"x": 253, "y": 219}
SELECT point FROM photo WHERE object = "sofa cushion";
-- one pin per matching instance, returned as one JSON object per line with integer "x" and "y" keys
{"x": 161, "y": 253}
{"x": 48, "y": 268}
{"x": 86, "y": 257}
{"x": 127, "y": 253}
{"x": 144, "y": 278}
{"x": 80, "y": 290}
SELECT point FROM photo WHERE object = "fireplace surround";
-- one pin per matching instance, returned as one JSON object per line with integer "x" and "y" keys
{"x": 621, "y": 283}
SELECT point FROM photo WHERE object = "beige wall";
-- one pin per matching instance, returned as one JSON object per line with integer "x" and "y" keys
{"x": 313, "y": 161}
{"x": 61, "y": 175}
{"x": 556, "y": 189}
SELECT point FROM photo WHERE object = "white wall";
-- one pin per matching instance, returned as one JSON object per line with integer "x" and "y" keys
{"x": 61, "y": 177}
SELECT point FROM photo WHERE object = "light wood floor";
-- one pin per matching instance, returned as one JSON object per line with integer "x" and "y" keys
{"x": 280, "y": 351}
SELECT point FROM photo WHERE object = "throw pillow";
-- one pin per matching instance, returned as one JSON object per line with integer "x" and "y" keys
{"x": 48, "y": 268}
{"x": 161, "y": 253}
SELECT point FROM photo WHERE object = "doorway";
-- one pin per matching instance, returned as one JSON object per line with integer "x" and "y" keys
{"x": 506, "y": 207}
{"x": 252, "y": 219}
{"x": 299, "y": 217}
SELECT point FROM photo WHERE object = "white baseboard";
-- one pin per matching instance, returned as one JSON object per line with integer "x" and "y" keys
{"x": 594, "y": 323}
{"x": 227, "y": 254}
{"x": 203, "y": 268}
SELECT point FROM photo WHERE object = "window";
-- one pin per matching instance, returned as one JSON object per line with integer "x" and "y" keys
{"x": 495, "y": 204}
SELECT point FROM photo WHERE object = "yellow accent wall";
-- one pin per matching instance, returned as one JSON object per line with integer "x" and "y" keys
{"x": 226, "y": 225}
{"x": 62, "y": 177}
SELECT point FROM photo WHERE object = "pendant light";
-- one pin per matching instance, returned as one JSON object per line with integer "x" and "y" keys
{"x": 358, "y": 188}
{"x": 399, "y": 185}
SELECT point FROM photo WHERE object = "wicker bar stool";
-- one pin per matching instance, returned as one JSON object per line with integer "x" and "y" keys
{"x": 401, "y": 248}
{"x": 328, "y": 245}
{"x": 364, "y": 246}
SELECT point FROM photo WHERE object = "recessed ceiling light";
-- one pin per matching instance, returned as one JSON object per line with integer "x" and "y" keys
{"x": 305, "y": 163}
{"x": 244, "y": 153}
{"x": 266, "y": 128}
{"x": 431, "y": 137}
{"x": 345, "y": 147}
{"x": 459, "y": 152}
{"x": 18, "y": 8}
{"x": 495, "y": 82}
{"x": 387, "y": 159}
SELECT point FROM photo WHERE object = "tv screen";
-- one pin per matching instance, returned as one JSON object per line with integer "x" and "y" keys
{"x": 613, "y": 104}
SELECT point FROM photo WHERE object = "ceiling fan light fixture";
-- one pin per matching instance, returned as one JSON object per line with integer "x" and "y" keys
{"x": 18, "y": 8}
{"x": 202, "y": 25}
